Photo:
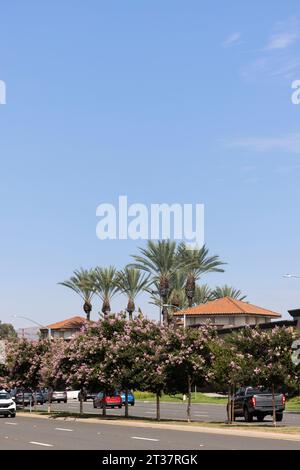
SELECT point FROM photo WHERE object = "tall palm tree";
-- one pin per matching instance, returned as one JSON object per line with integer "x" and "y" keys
{"x": 159, "y": 259}
{"x": 203, "y": 294}
{"x": 196, "y": 262}
{"x": 82, "y": 283}
{"x": 104, "y": 280}
{"x": 227, "y": 291}
{"x": 131, "y": 282}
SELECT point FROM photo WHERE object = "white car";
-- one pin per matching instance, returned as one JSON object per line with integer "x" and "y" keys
{"x": 7, "y": 404}
{"x": 73, "y": 394}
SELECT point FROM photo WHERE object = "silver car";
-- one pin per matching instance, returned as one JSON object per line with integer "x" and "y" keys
{"x": 59, "y": 396}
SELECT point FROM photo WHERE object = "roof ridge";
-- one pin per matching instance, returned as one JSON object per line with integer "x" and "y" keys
{"x": 233, "y": 301}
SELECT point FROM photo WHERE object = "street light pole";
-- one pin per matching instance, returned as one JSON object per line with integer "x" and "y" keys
{"x": 36, "y": 323}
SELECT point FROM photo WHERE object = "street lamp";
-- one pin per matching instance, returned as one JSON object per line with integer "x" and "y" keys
{"x": 36, "y": 323}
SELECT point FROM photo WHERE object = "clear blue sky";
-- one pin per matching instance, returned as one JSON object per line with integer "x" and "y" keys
{"x": 167, "y": 101}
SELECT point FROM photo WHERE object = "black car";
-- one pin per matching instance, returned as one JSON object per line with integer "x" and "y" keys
{"x": 87, "y": 395}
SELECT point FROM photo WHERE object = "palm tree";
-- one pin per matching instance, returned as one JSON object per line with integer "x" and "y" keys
{"x": 159, "y": 259}
{"x": 196, "y": 262}
{"x": 131, "y": 282}
{"x": 82, "y": 283}
{"x": 227, "y": 291}
{"x": 203, "y": 294}
{"x": 104, "y": 280}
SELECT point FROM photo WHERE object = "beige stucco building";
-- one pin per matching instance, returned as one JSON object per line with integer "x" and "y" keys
{"x": 225, "y": 313}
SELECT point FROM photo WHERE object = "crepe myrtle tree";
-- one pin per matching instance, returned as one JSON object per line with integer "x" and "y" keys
{"x": 230, "y": 368}
{"x": 150, "y": 365}
{"x": 84, "y": 362}
{"x": 188, "y": 359}
{"x": 52, "y": 377}
{"x": 131, "y": 356}
{"x": 24, "y": 360}
{"x": 271, "y": 364}
{"x": 4, "y": 377}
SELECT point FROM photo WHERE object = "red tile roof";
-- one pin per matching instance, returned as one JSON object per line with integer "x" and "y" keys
{"x": 70, "y": 323}
{"x": 227, "y": 306}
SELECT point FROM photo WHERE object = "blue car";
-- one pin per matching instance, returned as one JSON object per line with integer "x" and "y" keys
{"x": 131, "y": 399}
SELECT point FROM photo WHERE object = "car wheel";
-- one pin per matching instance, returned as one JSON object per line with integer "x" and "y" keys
{"x": 248, "y": 416}
{"x": 120, "y": 406}
{"x": 260, "y": 417}
{"x": 65, "y": 401}
{"x": 279, "y": 416}
{"x": 13, "y": 415}
{"x": 132, "y": 404}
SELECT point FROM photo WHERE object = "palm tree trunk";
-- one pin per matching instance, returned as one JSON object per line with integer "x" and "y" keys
{"x": 87, "y": 307}
{"x": 165, "y": 315}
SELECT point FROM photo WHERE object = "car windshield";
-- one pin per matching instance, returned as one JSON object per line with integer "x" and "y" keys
{"x": 257, "y": 391}
{"x": 4, "y": 396}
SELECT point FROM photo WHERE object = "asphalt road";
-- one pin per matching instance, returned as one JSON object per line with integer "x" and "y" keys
{"x": 25, "y": 433}
{"x": 200, "y": 412}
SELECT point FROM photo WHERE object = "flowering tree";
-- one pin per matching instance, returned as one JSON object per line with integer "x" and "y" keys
{"x": 269, "y": 358}
{"x": 134, "y": 357}
{"x": 24, "y": 362}
{"x": 188, "y": 359}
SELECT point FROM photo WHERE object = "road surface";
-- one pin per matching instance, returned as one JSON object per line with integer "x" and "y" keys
{"x": 26, "y": 433}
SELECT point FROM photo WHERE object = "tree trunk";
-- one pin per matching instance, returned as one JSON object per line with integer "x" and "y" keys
{"x": 81, "y": 401}
{"x": 157, "y": 406}
{"x": 126, "y": 403}
{"x": 104, "y": 405}
{"x": 274, "y": 406}
{"x": 232, "y": 404}
{"x": 165, "y": 316}
{"x": 49, "y": 399}
{"x": 87, "y": 307}
{"x": 189, "y": 399}
{"x": 130, "y": 308}
{"x": 190, "y": 287}
{"x": 229, "y": 405}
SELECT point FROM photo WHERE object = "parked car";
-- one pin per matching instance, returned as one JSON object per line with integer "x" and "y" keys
{"x": 131, "y": 399}
{"x": 87, "y": 395}
{"x": 250, "y": 402}
{"x": 59, "y": 396}
{"x": 73, "y": 394}
{"x": 111, "y": 401}
{"x": 38, "y": 397}
{"x": 7, "y": 404}
{"x": 45, "y": 393}
{"x": 23, "y": 397}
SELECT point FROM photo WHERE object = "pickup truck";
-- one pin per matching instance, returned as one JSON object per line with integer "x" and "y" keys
{"x": 250, "y": 401}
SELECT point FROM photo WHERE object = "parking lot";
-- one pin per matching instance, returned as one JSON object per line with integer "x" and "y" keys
{"x": 169, "y": 410}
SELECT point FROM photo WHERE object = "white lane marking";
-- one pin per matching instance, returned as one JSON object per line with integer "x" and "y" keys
{"x": 144, "y": 438}
{"x": 201, "y": 414}
{"x": 151, "y": 412}
{"x": 64, "y": 429}
{"x": 40, "y": 444}
{"x": 201, "y": 445}
{"x": 12, "y": 424}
